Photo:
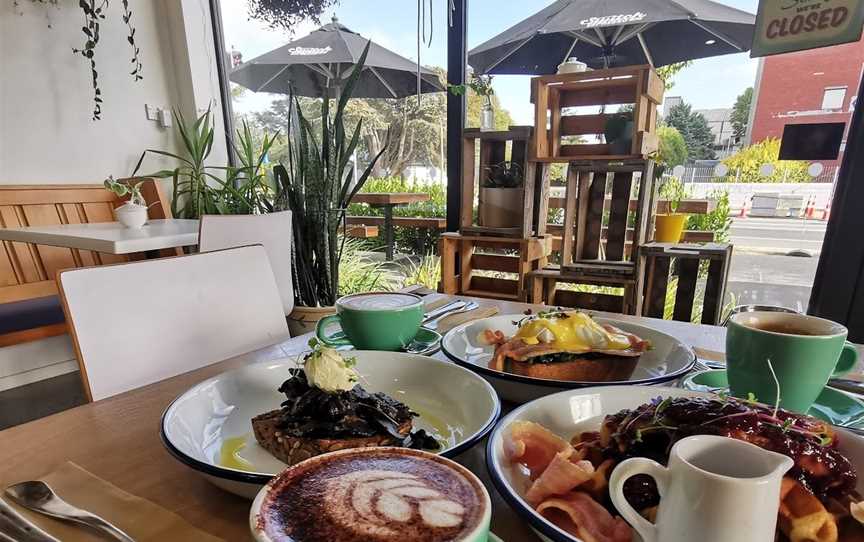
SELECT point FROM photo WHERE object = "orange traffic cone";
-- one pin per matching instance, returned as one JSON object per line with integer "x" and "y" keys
{"x": 826, "y": 213}
{"x": 811, "y": 207}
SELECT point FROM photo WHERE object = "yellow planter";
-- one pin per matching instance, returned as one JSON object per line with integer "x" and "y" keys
{"x": 668, "y": 228}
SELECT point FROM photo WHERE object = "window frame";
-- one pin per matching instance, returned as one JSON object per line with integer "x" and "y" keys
{"x": 826, "y": 90}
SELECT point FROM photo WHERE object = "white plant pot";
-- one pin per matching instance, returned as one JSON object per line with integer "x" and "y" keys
{"x": 131, "y": 215}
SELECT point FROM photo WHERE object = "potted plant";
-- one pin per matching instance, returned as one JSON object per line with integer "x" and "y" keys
{"x": 316, "y": 186}
{"x": 618, "y": 132}
{"x": 668, "y": 227}
{"x": 132, "y": 214}
{"x": 502, "y": 195}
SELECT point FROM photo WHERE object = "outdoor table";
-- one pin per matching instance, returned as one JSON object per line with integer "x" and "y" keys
{"x": 109, "y": 237}
{"x": 117, "y": 439}
{"x": 387, "y": 201}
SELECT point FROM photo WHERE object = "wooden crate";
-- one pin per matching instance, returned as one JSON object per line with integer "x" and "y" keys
{"x": 661, "y": 259}
{"x": 516, "y": 257}
{"x": 555, "y": 96}
{"x": 493, "y": 148}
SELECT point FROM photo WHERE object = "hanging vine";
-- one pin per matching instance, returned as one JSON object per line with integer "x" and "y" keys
{"x": 94, "y": 14}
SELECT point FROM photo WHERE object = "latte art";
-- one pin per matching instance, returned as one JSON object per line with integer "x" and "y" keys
{"x": 373, "y": 503}
{"x": 374, "y": 495}
{"x": 378, "y": 302}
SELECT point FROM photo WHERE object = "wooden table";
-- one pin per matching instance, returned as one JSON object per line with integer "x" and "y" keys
{"x": 109, "y": 237}
{"x": 117, "y": 439}
{"x": 387, "y": 201}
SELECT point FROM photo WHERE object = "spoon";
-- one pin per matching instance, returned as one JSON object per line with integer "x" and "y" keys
{"x": 39, "y": 497}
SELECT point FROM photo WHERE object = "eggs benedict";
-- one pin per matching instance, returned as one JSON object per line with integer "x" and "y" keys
{"x": 566, "y": 345}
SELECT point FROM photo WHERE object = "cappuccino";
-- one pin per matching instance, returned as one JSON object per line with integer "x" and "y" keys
{"x": 374, "y": 495}
{"x": 378, "y": 301}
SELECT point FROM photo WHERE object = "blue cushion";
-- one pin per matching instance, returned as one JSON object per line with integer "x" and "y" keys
{"x": 30, "y": 313}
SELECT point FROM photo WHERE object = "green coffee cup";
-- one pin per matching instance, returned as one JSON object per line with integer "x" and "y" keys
{"x": 803, "y": 351}
{"x": 374, "y": 321}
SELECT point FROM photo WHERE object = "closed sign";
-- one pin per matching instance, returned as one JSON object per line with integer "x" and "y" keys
{"x": 783, "y": 26}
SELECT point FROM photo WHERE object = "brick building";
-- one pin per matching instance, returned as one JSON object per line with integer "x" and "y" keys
{"x": 820, "y": 85}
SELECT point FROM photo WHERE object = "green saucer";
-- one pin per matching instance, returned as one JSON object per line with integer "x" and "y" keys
{"x": 425, "y": 343}
{"x": 833, "y": 406}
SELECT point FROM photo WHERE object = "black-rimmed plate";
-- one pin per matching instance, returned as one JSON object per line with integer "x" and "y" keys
{"x": 208, "y": 427}
{"x": 667, "y": 360}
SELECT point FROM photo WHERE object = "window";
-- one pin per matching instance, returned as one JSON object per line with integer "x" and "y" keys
{"x": 833, "y": 98}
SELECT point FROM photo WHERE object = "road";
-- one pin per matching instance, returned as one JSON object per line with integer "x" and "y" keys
{"x": 761, "y": 270}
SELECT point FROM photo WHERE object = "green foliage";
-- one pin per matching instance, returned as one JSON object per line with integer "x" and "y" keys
{"x": 717, "y": 220}
{"x": 694, "y": 129}
{"x": 123, "y": 189}
{"x": 504, "y": 175}
{"x": 750, "y": 159}
{"x": 673, "y": 148}
{"x": 360, "y": 272}
{"x": 286, "y": 14}
{"x": 426, "y": 272}
{"x": 667, "y": 73}
{"x": 673, "y": 189}
{"x": 741, "y": 113}
{"x": 316, "y": 186}
{"x": 480, "y": 84}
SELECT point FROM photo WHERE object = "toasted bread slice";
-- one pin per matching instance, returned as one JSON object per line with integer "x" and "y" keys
{"x": 593, "y": 368}
{"x": 292, "y": 450}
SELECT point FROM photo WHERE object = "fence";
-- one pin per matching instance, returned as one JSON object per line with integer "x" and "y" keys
{"x": 703, "y": 174}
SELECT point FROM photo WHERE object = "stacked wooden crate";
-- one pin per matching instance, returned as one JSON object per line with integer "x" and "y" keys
{"x": 572, "y": 114}
{"x": 494, "y": 262}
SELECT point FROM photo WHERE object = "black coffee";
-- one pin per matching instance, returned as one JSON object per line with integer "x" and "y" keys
{"x": 783, "y": 327}
{"x": 368, "y": 496}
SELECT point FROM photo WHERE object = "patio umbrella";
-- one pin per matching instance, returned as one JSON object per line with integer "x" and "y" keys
{"x": 319, "y": 64}
{"x": 610, "y": 33}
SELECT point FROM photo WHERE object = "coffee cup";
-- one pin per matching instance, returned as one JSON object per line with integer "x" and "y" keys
{"x": 373, "y": 494}
{"x": 714, "y": 489}
{"x": 791, "y": 354}
{"x": 374, "y": 321}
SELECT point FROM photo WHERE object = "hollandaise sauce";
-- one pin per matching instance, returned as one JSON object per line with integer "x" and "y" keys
{"x": 573, "y": 332}
{"x": 229, "y": 455}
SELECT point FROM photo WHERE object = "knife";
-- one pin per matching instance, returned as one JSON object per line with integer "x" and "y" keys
{"x": 18, "y": 528}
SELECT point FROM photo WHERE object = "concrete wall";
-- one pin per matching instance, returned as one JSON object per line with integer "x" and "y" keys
{"x": 46, "y": 131}
{"x": 47, "y": 135}
{"x": 739, "y": 192}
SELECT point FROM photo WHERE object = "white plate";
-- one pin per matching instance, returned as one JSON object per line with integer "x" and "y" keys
{"x": 458, "y": 406}
{"x": 574, "y": 411}
{"x": 668, "y": 359}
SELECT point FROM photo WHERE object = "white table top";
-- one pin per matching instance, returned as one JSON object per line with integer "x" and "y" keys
{"x": 109, "y": 237}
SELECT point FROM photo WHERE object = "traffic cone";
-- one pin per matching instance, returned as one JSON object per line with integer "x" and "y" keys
{"x": 811, "y": 207}
{"x": 826, "y": 213}
{"x": 744, "y": 209}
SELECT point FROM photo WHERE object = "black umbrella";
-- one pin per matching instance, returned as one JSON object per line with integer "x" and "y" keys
{"x": 609, "y": 33}
{"x": 319, "y": 64}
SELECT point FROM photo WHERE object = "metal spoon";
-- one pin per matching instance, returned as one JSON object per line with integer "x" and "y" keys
{"x": 39, "y": 497}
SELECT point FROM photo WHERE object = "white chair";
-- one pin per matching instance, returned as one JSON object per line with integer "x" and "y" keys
{"x": 136, "y": 323}
{"x": 272, "y": 231}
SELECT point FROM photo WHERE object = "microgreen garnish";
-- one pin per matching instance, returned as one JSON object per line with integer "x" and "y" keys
{"x": 751, "y": 398}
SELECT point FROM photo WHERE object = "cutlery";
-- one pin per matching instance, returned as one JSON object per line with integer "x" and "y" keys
{"x": 39, "y": 497}
{"x": 446, "y": 309}
{"x": 16, "y": 528}
{"x": 465, "y": 307}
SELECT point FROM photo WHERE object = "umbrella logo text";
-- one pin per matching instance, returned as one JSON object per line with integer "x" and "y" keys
{"x": 613, "y": 20}
{"x": 309, "y": 51}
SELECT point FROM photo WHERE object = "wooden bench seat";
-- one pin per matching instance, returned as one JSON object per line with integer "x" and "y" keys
{"x": 400, "y": 221}
{"x": 28, "y": 288}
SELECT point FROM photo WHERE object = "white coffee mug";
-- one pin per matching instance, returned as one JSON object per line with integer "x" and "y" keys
{"x": 715, "y": 489}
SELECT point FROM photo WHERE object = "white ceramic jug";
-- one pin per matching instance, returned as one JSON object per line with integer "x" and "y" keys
{"x": 715, "y": 489}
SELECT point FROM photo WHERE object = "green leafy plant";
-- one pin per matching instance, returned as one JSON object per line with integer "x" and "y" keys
{"x": 426, "y": 272}
{"x": 360, "y": 272}
{"x": 286, "y": 14}
{"x": 316, "y": 186}
{"x": 616, "y": 126}
{"x": 480, "y": 84}
{"x": 123, "y": 189}
{"x": 717, "y": 220}
{"x": 504, "y": 175}
{"x": 673, "y": 190}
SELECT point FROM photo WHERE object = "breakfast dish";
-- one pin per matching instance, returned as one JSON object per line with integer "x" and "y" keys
{"x": 209, "y": 427}
{"x": 566, "y": 345}
{"x": 490, "y": 347}
{"x": 570, "y": 479}
{"x": 327, "y": 410}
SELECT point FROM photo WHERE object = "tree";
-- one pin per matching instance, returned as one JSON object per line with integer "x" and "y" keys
{"x": 673, "y": 148}
{"x": 741, "y": 113}
{"x": 746, "y": 163}
{"x": 695, "y": 130}
{"x": 668, "y": 73}
{"x": 286, "y": 14}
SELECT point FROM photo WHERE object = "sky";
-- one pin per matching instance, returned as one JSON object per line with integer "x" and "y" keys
{"x": 708, "y": 83}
